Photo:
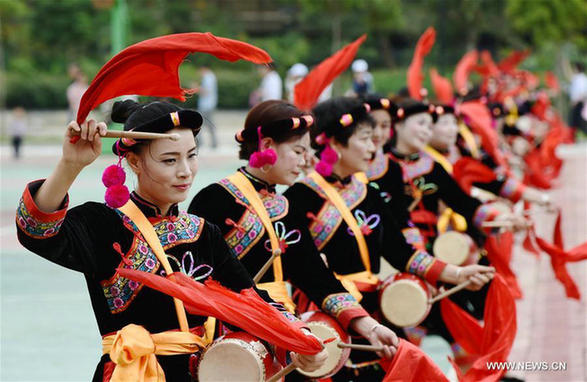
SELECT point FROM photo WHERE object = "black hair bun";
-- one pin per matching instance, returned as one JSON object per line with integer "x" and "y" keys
{"x": 121, "y": 110}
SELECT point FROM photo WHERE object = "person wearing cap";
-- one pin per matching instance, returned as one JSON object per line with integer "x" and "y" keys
{"x": 138, "y": 325}
{"x": 274, "y": 141}
{"x": 271, "y": 86}
{"x": 362, "y": 79}
{"x": 294, "y": 75}
{"x": 350, "y": 223}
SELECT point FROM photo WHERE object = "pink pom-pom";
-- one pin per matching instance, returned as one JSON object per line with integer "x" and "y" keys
{"x": 260, "y": 159}
{"x": 117, "y": 195}
{"x": 255, "y": 160}
{"x": 113, "y": 175}
{"x": 329, "y": 156}
{"x": 270, "y": 156}
{"x": 323, "y": 168}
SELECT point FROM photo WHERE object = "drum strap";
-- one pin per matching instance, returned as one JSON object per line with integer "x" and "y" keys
{"x": 276, "y": 289}
{"x": 133, "y": 212}
{"x": 244, "y": 185}
{"x": 459, "y": 223}
{"x": 335, "y": 198}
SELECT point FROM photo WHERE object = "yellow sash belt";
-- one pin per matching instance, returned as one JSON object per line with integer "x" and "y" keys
{"x": 458, "y": 222}
{"x": 348, "y": 282}
{"x": 133, "y": 349}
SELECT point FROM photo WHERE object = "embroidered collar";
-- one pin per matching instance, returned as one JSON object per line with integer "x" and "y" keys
{"x": 378, "y": 166}
{"x": 259, "y": 184}
{"x": 337, "y": 179}
{"x": 150, "y": 210}
{"x": 405, "y": 157}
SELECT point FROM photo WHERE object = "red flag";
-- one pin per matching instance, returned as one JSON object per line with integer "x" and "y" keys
{"x": 467, "y": 171}
{"x": 489, "y": 64}
{"x": 245, "y": 310}
{"x": 479, "y": 119}
{"x": 535, "y": 172}
{"x": 442, "y": 87}
{"x": 493, "y": 341}
{"x": 412, "y": 364}
{"x": 499, "y": 251}
{"x": 559, "y": 257}
{"x": 149, "y": 68}
{"x": 414, "y": 74}
{"x": 461, "y": 75}
{"x": 307, "y": 91}
{"x": 508, "y": 64}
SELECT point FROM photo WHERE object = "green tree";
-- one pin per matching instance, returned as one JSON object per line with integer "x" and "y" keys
{"x": 546, "y": 21}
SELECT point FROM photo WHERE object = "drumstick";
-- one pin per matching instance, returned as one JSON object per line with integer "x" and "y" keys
{"x": 266, "y": 266}
{"x": 135, "y": 135}
{"x": 140, "y": 135}
{"x": 343, "y": 345}
{"x": 282, "y": 373}
{"x": 500, "y": 224}
{"x": 447, "y": 293}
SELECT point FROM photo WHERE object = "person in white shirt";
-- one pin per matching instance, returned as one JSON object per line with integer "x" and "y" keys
{"x": 578, "y": 96}
{"x": 208, "y": 100}
{"x": 271, "y": 85}
{"x": 362, "y": 79}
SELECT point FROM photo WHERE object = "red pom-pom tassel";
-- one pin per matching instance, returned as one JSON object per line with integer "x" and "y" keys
{"x": 117, "y": 195}
{"x": 113, "y": 175}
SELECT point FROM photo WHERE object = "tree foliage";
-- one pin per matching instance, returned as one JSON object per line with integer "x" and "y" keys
{"x": 546, "y": 21}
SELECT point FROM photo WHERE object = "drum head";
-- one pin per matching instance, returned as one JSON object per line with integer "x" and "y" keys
{"x": 335, "y": 354}
{"x": 404, "y": 303}
{"x": 232, "y": 360}
{"x": 452, "y": 247}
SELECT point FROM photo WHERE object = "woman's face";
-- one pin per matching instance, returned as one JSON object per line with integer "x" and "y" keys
{"x": 358, "y": 152}
{"x": 382, "y": 129}
{"x": 291, "y": 159}
{"x": 444, "y": 132}
{"x": 166, "y": 168}
{"x": 414, "y": 133}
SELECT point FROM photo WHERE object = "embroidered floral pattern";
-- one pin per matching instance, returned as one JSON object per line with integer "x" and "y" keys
{"x": 323, "y": 227}
{"x": 420, "y": 263}
{"x": 249, "y": 228}
{"x": 285, "y": 238}
{"x": 33, "y": 225}
{"x": 366, "y": 223}
{"x": 414, "y": 237}
{"x": 419, "y": 167}
{"x": 188, "y": 267}
{"x": 378, "y": 167}
{"x": 119, "y": 291}
{"x": 334, "y": 304}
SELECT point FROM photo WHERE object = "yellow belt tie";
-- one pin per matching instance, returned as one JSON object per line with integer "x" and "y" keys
{"x": 348, "y": 282}
{"x": 133, "y": 350}
{"x": 458, "y": 222}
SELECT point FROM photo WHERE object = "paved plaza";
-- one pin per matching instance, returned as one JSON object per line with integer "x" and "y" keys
{"x": 48, "y": 332}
